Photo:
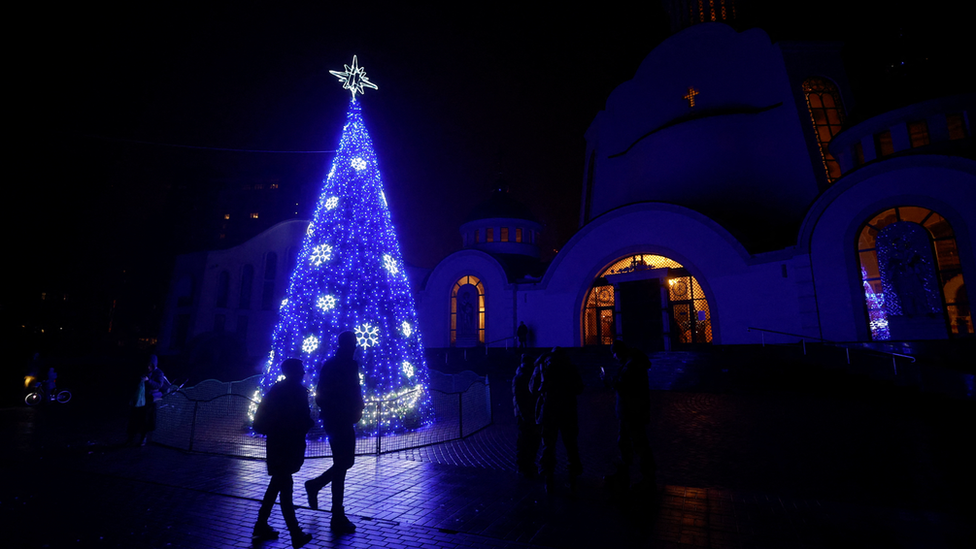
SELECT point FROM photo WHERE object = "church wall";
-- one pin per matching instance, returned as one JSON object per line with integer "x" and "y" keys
{"x": 741, "y": 292}
{"x": 434, "y": 302}
{"x": 946, "y": 186}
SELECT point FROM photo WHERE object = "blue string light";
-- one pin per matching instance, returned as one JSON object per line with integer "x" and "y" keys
{"x": 350, "y": 277}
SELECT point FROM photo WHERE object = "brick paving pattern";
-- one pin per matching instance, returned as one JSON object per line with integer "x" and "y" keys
{"x": 759, "y": 469}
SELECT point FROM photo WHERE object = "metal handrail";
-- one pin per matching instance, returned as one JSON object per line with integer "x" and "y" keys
{"x": 847, "y": 347}
{"x": 497, "y": 340}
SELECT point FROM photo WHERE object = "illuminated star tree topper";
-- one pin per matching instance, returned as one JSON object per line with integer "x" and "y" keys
{"x": 354, "y": 78}
{"x": 349, "y": 276}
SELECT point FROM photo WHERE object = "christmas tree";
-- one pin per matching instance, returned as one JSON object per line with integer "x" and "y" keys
{"x": 350, "y": 276}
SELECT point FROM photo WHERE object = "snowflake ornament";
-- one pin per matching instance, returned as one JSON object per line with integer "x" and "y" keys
{"x": 331, "y": 203}
{"x": 407, "y": 369}
{"x": 366, "y": 335}
{"x": 321, "y": 254}
{"x": 310, "y": 344}
{"x": 359, "y": 164}
{"x": 390, "y": 264}
{"x": 326, "y": 302}
{"x": 406, "y": 328}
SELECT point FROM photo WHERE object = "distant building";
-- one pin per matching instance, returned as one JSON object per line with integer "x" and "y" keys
{"x": 723, "y": 190}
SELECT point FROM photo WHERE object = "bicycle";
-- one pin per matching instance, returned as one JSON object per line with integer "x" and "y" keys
{"x": 40, "y": 392}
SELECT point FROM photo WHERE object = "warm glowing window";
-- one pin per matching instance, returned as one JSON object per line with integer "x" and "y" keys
{"x": 702, "y": 11}
{"x": 911, "y": 274}
{"x": 468, "y": 312}
{"x": 226, "y": 216}
{"x": 883, "y": 144}
{"x": 827, "y": 115}
{"x": 957, "y": 126}
{"x": 918, "y": 133}
{"x": 518, "y": 234}
{"x": 254, "y": 215}
{"x": 477, "y": 237}
{"x": 504, "y": 234}
{"x": 687, "y": 306}
{"x": 489, "y": 234}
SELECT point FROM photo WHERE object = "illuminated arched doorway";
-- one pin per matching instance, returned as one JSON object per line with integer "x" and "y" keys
{"x": 647, "y": 299}
{"x": 468, "y": 312}
{"x": 912, "y": 277}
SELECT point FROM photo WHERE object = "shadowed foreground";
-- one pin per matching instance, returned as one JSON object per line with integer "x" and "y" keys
{"x": 737, "y": 469}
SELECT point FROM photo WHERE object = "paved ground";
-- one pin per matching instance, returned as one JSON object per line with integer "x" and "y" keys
{"x": 759, "y": 469}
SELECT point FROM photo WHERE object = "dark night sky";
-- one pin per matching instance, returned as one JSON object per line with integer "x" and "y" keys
{"x": 463, "y": 95}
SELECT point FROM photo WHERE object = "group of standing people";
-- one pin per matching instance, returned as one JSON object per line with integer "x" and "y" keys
{"x": 285, "y": 418}
{"x": 544, "y": 395}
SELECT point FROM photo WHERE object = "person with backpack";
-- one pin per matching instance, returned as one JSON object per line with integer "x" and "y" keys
{"x": 285, "y": 418}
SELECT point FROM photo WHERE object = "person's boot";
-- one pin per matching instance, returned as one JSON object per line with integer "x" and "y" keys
{"x": 312, "y": 489}
{"x": 340, "y": 523}
{"x": 299, "y": 538}
{"x": 263, "y": 531}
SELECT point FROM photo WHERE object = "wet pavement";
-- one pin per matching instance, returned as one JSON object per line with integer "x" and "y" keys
{"x": 761, "y": 468}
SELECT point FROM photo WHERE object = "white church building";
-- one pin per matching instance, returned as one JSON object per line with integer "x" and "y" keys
{"x": 723, "y": 191}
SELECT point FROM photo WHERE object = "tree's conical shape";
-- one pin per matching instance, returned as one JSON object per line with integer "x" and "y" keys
{"x": 350, "y": 276}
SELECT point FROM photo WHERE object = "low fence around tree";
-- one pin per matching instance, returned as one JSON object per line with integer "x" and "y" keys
{"x": 214, "y": 417}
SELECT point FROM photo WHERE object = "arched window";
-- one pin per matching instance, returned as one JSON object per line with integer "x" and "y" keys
{"x": 688, "y": 314}
{"x": 223, "y": 288}
{"x": 703, "y": 11}
{"x": 468, "y": 312}
{"x": 912, "y": 277}
{"x": 827, "y": 116}
{"x": 247, "y": 284}
{"x": 267, "y": 289}
{"x": 184, "y": 291}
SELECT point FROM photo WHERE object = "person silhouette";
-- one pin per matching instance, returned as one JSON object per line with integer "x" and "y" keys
{"x": 522, "y": 335}
{"x": 556, "y": 382}
{"x": 340, "y": 400}
{"x": 523, "y": 401}
{"x": 633, "y": 413}
{"x": 285, "y": 418}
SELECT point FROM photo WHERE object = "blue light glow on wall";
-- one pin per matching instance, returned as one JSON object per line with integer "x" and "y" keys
{"x": 350, "y": 277}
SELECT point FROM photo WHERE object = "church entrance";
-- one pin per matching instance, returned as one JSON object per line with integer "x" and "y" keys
{"x": 642, "y": 310}
{"x": 649, "y": 301}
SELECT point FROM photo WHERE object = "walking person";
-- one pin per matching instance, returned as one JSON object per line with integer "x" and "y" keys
{"x": 284, "y": 416}
{"x": 633, "y": 413}
{"x": 556, "y": 382}
{"x": 340, "y": 400}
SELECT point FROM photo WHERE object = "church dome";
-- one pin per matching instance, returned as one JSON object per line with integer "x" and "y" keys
{"x": 501, "y": 225}
{"x": 501, "y": 204}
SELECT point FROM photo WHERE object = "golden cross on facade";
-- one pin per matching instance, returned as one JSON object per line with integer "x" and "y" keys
{"x": 690, "y": 96}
